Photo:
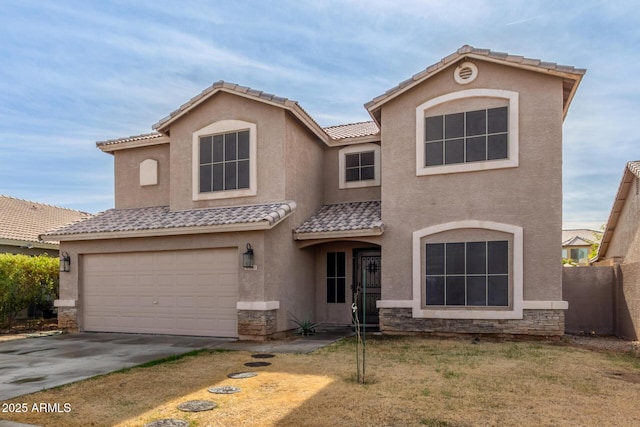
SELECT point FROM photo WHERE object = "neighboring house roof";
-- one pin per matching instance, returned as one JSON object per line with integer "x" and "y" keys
{"x": 23, "y": 221}
{"x": 629, "y": 176}
{"x": 222, "y": 86}
{"x": 579, "y": 237}
{"x": 343, "y": 220}
{"x": 160, "y": 221}
{"x": 571, "y": 75}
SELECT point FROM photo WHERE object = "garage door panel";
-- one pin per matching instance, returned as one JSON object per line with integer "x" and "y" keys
{"x": 181, "y": 292}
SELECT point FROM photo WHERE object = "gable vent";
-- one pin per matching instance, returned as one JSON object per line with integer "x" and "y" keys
{"x": 465, "y": 73}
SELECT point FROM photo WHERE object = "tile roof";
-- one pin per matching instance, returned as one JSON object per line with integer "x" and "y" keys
{"x": 160, "y": 218}
{"x": 344, "y": 217}
{"x": 580, "y": 237}
{"x": 352, "y": 130}
{"x": 24, "y": 221}
{"x": 489, "y": 55}
{"x": 152, "y": 135}
{"x": 630, "y": 176}
{"x": 222, "y": 86}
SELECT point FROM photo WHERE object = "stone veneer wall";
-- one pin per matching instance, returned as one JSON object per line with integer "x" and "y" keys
{"x": 256, "y": 324}
{"x": 534, "y": 322}
{"x": 68, "y": 319}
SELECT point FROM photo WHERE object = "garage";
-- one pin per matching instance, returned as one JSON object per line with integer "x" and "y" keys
{"x": 187, "y": 292}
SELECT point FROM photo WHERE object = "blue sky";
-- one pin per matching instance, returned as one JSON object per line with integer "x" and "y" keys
{"x": 76, "y": 72}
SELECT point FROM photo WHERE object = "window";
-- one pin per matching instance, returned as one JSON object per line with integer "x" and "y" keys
{"x": 467, "y": 274}
{"x": 467, "y": 130}
{"x": 336, "y": 277}
{"x": 473, "y": 136}
{"x": 359, "y": 166}
{"x": 224, "y": 161}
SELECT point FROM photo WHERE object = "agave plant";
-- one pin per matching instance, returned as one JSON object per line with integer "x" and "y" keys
{"x": 305, "y": 327}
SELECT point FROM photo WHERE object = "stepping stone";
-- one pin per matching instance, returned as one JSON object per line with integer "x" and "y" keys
{"x": 241, "y": 375}
{"x": 257, "y": 364}
{"x": 197, "y": 406}
{"x": 225, "y": 389}
{"x": 168, "y": 422}
{"x": 263, "y": 356}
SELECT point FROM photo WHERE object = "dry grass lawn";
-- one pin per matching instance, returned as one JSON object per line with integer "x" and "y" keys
{"x": 411, "y": 382}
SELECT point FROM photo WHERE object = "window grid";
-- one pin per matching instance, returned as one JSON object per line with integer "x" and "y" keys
{"x": 466, "y": 276}
{"x": 465, "y": 139}
{"x": 336, "y": 277}
{"x": 359, "y": 166}
{"x": 232, "y": 168}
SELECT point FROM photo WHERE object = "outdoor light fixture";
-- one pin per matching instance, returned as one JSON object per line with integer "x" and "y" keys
{"x": 247, "y": 257}
{"x": 65, "y": 262}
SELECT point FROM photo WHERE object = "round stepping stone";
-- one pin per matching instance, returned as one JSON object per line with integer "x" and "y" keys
{"x": 241, "y": 375}
{"x": 225, "y": 389}
{"x": 256, "y": 364}
{"x": 263, "y": 356}
{"x": 197, "y": 406}
{"x": 168, "y": 422}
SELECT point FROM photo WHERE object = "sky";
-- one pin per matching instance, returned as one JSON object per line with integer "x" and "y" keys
{"x": 76, "y": 72}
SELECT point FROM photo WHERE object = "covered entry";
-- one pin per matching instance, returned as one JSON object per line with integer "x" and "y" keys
{"x": 187, "y": 292}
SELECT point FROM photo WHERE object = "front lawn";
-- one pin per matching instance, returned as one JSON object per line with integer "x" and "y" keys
{"x": 410, "y": 382}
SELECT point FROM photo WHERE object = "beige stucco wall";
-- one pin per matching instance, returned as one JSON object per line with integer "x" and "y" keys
{"x": 289, "y": 272}
{"x": 625, "y": 242}
{"x": 128, "y": 191}
{"x": 529, "y": 196}
{"x": 332, "y": 193}
{"x": 271, "y": 130}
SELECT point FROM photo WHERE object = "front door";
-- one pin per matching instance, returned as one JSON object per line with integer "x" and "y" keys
{"x": 367, "y": 285}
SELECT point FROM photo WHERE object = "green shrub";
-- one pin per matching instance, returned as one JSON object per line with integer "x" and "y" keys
{"x": 26, "y": 280}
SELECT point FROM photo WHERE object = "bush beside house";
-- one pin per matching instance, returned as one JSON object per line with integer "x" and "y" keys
{"x": 26, "y": 280}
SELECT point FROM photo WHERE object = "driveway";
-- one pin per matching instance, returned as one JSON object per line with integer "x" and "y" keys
{"x": 33, "y": 364}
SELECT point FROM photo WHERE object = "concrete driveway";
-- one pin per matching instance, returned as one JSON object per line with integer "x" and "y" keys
{"x": 33, "y": 364}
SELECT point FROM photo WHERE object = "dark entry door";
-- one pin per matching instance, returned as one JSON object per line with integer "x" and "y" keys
{"x": 367, "y": 286}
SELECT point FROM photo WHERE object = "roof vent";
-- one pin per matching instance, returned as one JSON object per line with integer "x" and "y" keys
{"x": 465, "y": 73}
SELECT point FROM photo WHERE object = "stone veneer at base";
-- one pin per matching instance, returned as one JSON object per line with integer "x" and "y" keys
{"x": 534, "y": 322}
{"x": 68, "y": 319}
{"x": 256, "y": 324}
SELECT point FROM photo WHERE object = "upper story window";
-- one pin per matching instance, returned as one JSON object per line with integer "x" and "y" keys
{"x": 359, "y": 166}
{"x": 465, "y": 140}
{"x": 472, "y": 136}
{"x": 224, "y": 160}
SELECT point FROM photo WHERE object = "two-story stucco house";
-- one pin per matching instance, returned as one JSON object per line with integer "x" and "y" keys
{"x": 241, "y": 212}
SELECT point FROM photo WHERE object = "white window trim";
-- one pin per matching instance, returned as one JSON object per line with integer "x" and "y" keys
{"x": 225, "y": 126}
{"x": 517, "y": 273}
{"x": 513, "y": 133}
{"x": 359, "y": 148}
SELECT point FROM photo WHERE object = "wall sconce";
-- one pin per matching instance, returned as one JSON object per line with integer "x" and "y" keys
{"x": 65, "y": 262}
{"x": 247, "y": 258}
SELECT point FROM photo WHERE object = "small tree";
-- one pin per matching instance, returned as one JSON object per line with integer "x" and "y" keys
{"x": 26, "y": 280}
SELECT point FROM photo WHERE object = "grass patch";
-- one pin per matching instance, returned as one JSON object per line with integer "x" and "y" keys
{"x": 411, "y": 381}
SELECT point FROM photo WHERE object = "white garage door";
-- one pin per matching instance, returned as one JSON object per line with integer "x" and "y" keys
{"x": 190, "y": 292}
